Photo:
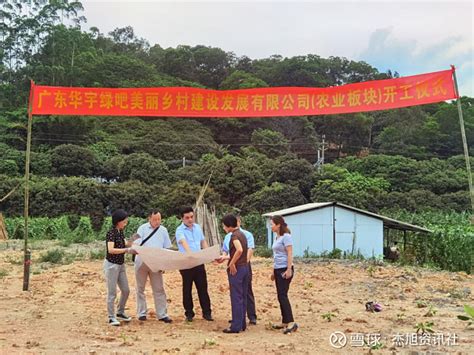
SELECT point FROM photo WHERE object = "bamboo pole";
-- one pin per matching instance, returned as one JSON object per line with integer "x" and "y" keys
{"x": 27, "y": 253}
{"x": 464, "y": 141}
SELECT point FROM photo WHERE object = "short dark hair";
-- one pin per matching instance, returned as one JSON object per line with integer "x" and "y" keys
{"x": 229, "y": 220}
{"x": 118, "y": 216}
{"x": 154, "y": 211}
{"x": 184, "y": 210}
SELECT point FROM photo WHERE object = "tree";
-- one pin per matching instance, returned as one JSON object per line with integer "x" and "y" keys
{"x": 9, "y": 167}
{"x": 351, "y": 188}
{"x": 274, "y": 197}
{"x": 269, "y": 142}
{"x": 242, "y": 80}
{"x": 143, "y": 167}
{"x": 23, "y": 29}
{"x": 296, "y": 172}
{"x": 212, "y": 65}
{"x": 348, "y": 134}
{"x": 133, "y": 196}
{"x": 233, "y": 177}
{"x": 182, "y": 193}
{"x": 126, "y": 42}
{"x": 73, "y": 160}
{"x": 73, "y": 195}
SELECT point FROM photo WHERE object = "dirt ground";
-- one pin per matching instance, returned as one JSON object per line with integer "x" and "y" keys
{"x": 65, "y": 312}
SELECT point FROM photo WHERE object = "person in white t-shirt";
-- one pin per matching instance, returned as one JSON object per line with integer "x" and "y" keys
{"x": 159, "y": 239}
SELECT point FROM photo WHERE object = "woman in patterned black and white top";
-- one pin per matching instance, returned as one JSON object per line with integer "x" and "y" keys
{"x": 114, "y": 267}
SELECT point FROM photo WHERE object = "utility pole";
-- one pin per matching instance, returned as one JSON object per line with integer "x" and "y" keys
{"x": 322, "y": 147}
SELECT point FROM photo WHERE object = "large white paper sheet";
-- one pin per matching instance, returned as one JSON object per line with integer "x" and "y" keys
{"x": 163, "y": 259}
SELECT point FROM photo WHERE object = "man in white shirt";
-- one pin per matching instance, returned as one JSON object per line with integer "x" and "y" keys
{"x": 159, "y": 239}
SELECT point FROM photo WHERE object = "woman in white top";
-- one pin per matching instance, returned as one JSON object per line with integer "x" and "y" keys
{"x": 283, "y": 271}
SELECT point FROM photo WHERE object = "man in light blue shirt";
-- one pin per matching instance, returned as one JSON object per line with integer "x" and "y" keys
{"x": 251, "y": 312}
{"x": 159, "y": 239}
{"x": 190, "y": 238}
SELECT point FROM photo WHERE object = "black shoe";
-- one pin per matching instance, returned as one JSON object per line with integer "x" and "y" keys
{"x": 230, "y": 331}
{"x": 124, "y": 317}
{"x": 166, "y": 319}
{"x": 142, "y": 318}
{"x": 293, "y": 328}
{"x": 253, "y": 321}
{"x": 189, "y": 319}
{"x": 114, "y": 322}
{"x": 208, "y": 318}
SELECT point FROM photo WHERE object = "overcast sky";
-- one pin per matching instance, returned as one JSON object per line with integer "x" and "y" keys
{"x": 410, "y": 37}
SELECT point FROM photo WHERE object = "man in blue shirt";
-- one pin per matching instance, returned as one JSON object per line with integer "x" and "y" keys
{"x": 190, "y": 238}
{"x": 251, "y": 312}
{"x": 154, "y": 235}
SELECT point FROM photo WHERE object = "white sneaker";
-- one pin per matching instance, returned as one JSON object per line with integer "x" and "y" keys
{"x": 114, "y": 322}
{"x": 124, "y": 317}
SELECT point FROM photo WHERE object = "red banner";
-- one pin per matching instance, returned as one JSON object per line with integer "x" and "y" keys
{"x": 262, "y": 102}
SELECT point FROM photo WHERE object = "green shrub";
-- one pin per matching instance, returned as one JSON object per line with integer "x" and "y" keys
{"x": 73, "y": 221}
{"x": 83, "y": 232}
{"x": 263, "y": 251}
{"x": 171, "y": 223}
{"x": 53, "y": 256}
{"x": 256, "y": 224}
{"x": 335, "y": 254}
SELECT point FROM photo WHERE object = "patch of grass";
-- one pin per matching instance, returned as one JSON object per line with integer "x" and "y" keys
{"x": 431, "y": 311}
{"x": 424, "y": 327}
{"x": 68, "y": 258}
{"x": 65, "y": 242}
{"x": 328, "y": 316}
{"x": 79, "y": 255}
{"x": 14, "y": 260}
{"x": 97, "y": 254}
{"x": 371, "y": 270}
{"x": 375, "y": 346}
{"x": 3, "y": 273}
{"x": 309, "y": 254}
{"x": 53, "y": 256}
{"x": 401, "y": 317}
{"x": 208, "y": 343}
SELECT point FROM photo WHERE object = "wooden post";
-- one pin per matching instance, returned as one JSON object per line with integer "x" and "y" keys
{"x": 404, "y": 240}
{"x": 3, "y": 229}
{"x": 27, "y": 253}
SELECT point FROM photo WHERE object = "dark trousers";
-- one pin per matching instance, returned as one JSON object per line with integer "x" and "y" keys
{"x": 251, "y": 313}
{"x": 238, "y": 297}
{"x": 282, "y": 286}
{"x": 198, "y": 276}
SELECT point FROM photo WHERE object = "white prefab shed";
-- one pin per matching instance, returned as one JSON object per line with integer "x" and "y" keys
{"x": 322, "y": 227}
